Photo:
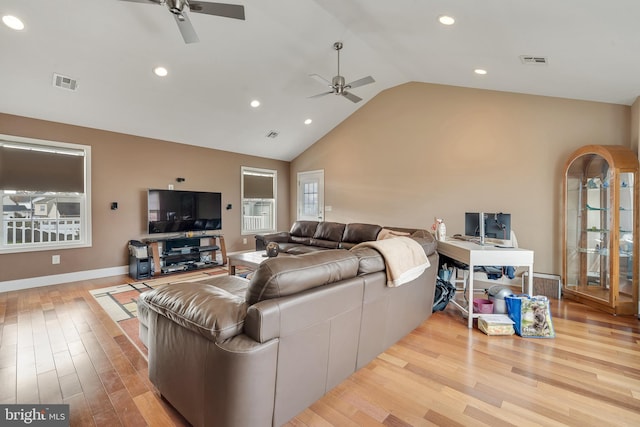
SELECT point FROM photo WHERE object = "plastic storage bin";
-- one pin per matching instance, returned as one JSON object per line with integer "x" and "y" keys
{"x": 481, "y": 305}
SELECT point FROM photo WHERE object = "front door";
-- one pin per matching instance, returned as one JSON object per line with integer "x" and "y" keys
{"x": 311, "y": 196}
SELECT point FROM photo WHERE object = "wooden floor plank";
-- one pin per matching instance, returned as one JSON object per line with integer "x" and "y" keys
{"x": 58, "y": 345}
{"x": 152, "y": 410}
{"x": 79, "y": 412}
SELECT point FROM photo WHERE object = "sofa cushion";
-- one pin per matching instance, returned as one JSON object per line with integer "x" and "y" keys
{"x": 386, "y": 233}
{"x": 281, "y": 276}
{"x": 357, "y": 233}
{"x": 214, "y": 308}
{"x": 303, "y": 231}
{"x": 303, "y": 228}
{"x": 329, "y": 231}
{"x": 328, "y": 234}
{"x": 325, "y": 244}
{"x": 369, "y": 260}
{"x": 427, "y": 240}
{"x": 303, "y": 249}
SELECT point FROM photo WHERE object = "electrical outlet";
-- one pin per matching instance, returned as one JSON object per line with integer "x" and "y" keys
{"x": 244, "y": 241}
{"x": 55, "y": 259}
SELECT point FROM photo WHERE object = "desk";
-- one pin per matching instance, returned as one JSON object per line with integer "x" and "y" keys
{"x": 474, "y": 254}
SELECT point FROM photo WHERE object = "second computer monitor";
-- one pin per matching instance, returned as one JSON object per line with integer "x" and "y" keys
{"x": 496, "y": 225}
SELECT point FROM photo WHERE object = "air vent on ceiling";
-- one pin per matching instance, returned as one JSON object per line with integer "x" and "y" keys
{"x": 272, "y": 134}
{"x": 64, "y": 82}
{"x": 534, "y": 60}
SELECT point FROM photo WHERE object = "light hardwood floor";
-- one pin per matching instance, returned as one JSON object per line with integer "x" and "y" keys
{"x": 58, "y": 346}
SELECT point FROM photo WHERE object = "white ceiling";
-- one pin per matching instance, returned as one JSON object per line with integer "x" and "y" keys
{"x": 111, "y": 46}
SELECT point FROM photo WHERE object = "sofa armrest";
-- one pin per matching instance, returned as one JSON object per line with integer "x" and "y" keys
{"x": 215, "y": 309}
{"x": 263, "y": 239}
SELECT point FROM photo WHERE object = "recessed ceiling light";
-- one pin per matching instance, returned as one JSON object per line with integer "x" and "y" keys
{"x": 446, "y": 20}
{"x": 480, "y": 71}
{"x": 13, "y": 22}
{"x": 255, "y": 103}
{"x": 160, "y": 71}
{"x": 308, "y": 121}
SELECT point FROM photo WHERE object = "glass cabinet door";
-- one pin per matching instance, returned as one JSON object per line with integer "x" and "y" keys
{"x": 600, "y": 229}
{"x": 627, "y": 237}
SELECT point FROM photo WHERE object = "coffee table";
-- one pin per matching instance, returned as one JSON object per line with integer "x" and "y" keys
{"x": 250, "y": 260}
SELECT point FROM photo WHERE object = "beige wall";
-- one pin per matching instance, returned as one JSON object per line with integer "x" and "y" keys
{"x": 419, "y": 151}
{"x": 635, "y": 126}
{"x": 412, "y": 153}
{"x": 123, "y": 168}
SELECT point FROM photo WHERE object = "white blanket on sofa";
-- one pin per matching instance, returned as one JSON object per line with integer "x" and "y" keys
{"x": 404, "y": 258}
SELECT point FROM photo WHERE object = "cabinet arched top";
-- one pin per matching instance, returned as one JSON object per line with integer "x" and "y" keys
{"x": 617, "y": 156}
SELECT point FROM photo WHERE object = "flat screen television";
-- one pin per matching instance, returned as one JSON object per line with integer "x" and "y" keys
{"x": 495, "y": 225}
{"x": 171, "y": 211}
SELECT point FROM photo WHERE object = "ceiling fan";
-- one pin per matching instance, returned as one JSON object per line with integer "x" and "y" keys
{"x": 177, "y": 8}
{"x": 337, "y": 84}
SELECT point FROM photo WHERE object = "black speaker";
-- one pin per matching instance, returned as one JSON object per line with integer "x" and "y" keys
{"x": 139, "y": 268}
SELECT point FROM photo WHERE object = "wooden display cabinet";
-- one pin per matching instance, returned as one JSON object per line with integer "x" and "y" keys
{"x": 601, "y": 228}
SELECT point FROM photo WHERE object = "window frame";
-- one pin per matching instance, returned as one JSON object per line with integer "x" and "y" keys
{"x": 274, "y": 173}
{"x": 84, "y": 200}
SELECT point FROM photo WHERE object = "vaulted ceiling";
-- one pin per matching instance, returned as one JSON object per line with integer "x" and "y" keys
{"x": 592, "y": 50}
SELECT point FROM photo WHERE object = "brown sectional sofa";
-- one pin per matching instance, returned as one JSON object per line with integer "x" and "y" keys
{"x": 309, "y": 236}
{"x": 232, "y": 352}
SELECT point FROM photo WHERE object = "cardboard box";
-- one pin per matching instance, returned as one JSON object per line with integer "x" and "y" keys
{"x": 495, "y": 324}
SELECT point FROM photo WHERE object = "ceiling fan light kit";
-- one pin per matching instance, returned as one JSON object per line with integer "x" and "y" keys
{"x": 179, "y": 7}
{"x": 337, "y": 84}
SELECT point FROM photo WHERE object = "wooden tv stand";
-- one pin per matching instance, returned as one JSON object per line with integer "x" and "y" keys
{"x": 177, "y": 254}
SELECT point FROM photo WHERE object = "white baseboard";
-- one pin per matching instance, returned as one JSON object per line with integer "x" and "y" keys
{"x": 35, "y": 282}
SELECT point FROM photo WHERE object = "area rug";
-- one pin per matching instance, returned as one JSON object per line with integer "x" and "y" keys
{"x": 120, "y": 302}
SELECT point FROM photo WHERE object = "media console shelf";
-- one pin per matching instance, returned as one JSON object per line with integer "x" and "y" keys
{"x": 174, "y": 255}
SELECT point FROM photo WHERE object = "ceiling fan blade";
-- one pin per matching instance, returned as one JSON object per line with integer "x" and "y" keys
{"x": 322, "y": 94}
{"x": 321, "y": 80}
{"x": 146, "y": 1}
{"x": 351, "y": 97}
{"x": 186, "y": 29}
{"x": 363, "y": 81}
{"x": 235, "y": 11}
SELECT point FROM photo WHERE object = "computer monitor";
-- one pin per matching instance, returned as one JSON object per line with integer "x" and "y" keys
{"x": 495, "y": 225}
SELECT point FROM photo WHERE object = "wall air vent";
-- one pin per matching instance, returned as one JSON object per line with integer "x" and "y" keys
{"x": 534, "y": 60}
{"x": 64, "y": 82}
{"x": 272, "y": 134}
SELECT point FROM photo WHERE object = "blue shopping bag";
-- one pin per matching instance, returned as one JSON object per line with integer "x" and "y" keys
{"x": 531, "y": 315}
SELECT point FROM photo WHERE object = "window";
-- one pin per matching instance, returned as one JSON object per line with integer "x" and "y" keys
{"x": 258, "y": 200}
{"x": 44, "y": 189}
{"x": 309, "y": 198}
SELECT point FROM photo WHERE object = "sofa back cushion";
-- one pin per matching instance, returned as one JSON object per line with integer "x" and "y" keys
{"x": 424, "y": 237}
{"x": 369, "y": 260}
{"x": 328, "y": 235}
{"x": 426, "y": 240}
{"x": 303, "y": 231}
{"x": 357, "y": 233}
{"x": 287, "y": 275}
